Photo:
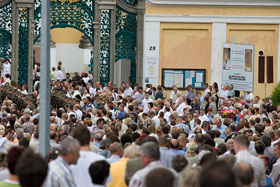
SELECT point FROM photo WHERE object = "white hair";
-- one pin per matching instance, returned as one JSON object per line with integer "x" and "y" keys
{"x": 132, "y": 151}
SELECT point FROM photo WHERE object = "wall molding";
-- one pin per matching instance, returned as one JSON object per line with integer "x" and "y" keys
{"x": 212, "y": 19}
{"x": 237, "y": 3}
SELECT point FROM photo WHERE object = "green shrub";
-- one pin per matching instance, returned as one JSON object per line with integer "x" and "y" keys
{"x": 275, "y": 97}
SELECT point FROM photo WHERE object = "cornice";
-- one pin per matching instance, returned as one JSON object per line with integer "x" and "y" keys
{"x": 238, "y": 3}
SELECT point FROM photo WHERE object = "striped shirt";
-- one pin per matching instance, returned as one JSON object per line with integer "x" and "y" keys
{"x": 59, "y": 174}
{"x": 256, "y": 163}
{"x": 183, "y": 126}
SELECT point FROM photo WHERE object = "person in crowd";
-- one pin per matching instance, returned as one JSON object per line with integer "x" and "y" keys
{"x": 31, "y": 169}
{"x": 53, "y": 139}
{"x": 160, "y": 177}
{"x": 217, "y": 173}
{"x": 118, "y": 169}
{"x": 99, "y": 172}
{"x": 116, "y": 152}
{"x": 159, "y": 94}
{"x": 79, "y": 170}
{"x": 220, "y": 127}
{"x": 107, "y": 120}
{"x": 166, "y": 156}
{"x": 244, "y": 173}
{"x": 59, "y": 76}
{"x": 12, "y": 159}
{"x": 179, "y": 163}
{"x": 8, "y": 136}
{"x": 275, "y": 173}
{"x": 190, "y": 177}
{"x": 241, "y": 148}
{"x": 59, "y": 173}
{"x": 150, "y": 156}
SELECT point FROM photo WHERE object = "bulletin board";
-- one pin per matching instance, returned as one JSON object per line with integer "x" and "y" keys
{"x": 183, "y": 77}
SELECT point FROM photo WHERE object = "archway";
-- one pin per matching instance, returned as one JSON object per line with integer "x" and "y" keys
{"x": 71, "y": 47}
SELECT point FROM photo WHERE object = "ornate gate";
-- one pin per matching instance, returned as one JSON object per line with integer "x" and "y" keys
{"x": 5, "y": 30}
{"x": 111, "y": 26}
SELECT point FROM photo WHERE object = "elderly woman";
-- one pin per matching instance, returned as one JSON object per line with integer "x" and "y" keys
{"x": 117, "y": 169}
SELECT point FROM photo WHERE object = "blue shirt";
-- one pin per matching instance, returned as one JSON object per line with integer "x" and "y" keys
{"x": 177, "y": 152}
{"x": 166, "y": 156}
{"x": 222, "y": 130}
{"x": 105, "y": 153}
{"x": 113, "y": 158}
{"x": 121, "y": 115}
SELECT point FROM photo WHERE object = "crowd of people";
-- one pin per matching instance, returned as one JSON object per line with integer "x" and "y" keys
{"x": 134, "y": 136}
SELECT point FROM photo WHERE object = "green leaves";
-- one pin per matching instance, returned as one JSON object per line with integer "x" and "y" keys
{"x": 275, "y": 97}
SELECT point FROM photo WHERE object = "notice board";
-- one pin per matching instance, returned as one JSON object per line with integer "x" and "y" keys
{"x": 183, "y": 77}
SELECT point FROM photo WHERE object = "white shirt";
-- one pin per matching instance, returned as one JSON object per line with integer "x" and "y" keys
{"x": 128, "y": 92}
{"x": 24, "y": 92}
{"x": 3, "y": 143}
{"x": 206, "y": 91}
{"x": 80, "y": 170}
{"x": 70, "y": 113}
{"x": 79, "y": 114}
{"x": 145, "y": 104}
{"x": 203, "y": 118}
{"x": 92, "y": 91}
{"x": 85, "y": 79}
{"x": 156, "y": 120}
{"x": 166, "y": 116}
{"x": 180, "y": 108}
{"x": 249, "y": 97}
{"x": 172, "y": 94}
{"x": 6, "y": 69}
{"x": 274, "y": 142}
{"x": 59, "y": 75}
{"x": 224, "y": 94}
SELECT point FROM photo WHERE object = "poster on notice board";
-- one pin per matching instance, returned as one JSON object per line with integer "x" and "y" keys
{"x": 238, "y": 66}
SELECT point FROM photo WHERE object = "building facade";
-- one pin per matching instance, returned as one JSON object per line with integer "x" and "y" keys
{"x": 186, "y": 34}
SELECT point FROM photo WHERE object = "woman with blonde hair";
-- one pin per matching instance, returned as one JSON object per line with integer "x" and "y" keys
{"x": 229, "y": 146}
{"x": 159, "y": 131}
{"x": 190, "y": 177}
{"x": 117, "y": 169}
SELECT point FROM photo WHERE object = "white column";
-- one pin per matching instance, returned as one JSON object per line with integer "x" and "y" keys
{"x": 278, "y": 59}
{"x": 151, "y": 52}
{"x": 218, "y": 40}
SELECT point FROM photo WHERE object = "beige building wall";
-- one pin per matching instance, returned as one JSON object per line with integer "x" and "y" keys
{"x": 264, "y": 38}
{"x": 185, "y": 46}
